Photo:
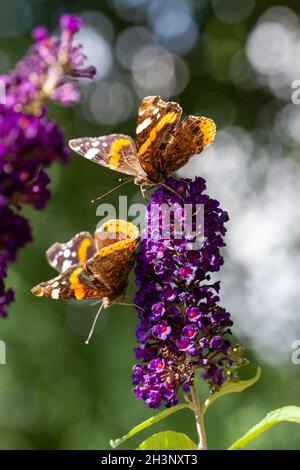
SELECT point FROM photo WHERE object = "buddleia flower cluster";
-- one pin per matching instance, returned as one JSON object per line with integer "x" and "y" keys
{"x": 183, "y": 331}
{"x": 29, "y": 141}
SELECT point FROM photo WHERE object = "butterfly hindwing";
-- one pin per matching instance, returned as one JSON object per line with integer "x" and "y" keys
{"x": 116, "y": 241}
{"x": 115, "y": 151}
{"x": 113, "y": 231}
{"x": 191, "y": 136}
{"x": 112, "y": 265}
{"x": 79, "y": 249}
{"x": 156, "y": 121}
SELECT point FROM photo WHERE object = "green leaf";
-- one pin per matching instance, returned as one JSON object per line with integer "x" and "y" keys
{"x": 154, "y": 419}
{"x": 168, "y": 440}
{"x": 231, "y": 387}
{"x": 287, "y": 413}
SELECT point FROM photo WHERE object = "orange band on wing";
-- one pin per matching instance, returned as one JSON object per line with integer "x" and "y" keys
{"x": 167, "y": 119}
{"x": 82, "y": 250}
{"x": 114, "y": 151}
{"x": 76, "y": 285}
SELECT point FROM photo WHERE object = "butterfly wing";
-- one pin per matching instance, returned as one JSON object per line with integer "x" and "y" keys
{"x": 191, "y": 136}
{"x": 77, "y": 282}
{"x": 113, "y": 231}
{"x": 156, "y": 121}
{"x": 105, "y": 274}
{"x": 79, "y": 249}
{"x": 116, "y": 240}
{"x": 115, "y": 151}
{"x": 112, "y": 265}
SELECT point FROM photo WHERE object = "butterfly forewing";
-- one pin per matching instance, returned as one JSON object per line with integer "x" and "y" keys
{"x": 79, "y": 249}
{"x": 115, "y": 151}
{"x": 156, "y": 121}
{"x": 74, "y": 283}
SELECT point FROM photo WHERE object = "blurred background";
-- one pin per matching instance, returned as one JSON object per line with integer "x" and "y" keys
{"x": 234, "y": 62}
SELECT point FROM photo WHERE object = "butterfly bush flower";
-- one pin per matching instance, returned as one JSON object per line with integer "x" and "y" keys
{"x": 183, "y": 332}
{"x": 46, "y": 70}
{"x": 29, "y": 141}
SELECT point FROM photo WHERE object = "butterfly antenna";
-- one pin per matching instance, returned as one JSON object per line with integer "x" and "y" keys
{"x": 131, "y": 305}
{"x": 172, "y": 190}
{"x": 94, "y": 324}
{"x": 112, "y": 190}
{"x": 95, "y": 303}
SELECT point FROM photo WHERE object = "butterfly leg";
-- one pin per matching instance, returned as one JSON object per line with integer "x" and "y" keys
{"x": 172, "y": 190}
{"x": 94, "y": 323}
{"x": 131, "y": 305}
{"x": 111, "y": 190}
{"x": 144, "y": 193}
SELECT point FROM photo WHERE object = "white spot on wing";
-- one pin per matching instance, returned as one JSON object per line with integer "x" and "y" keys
{"x": 91, "y": 153}
{"x": 66, "y": 264}
{"x": 67, "y": 253}
{"x": 55, "y": 294}
{"x": 95, "y": 143}
{"x": 142, "y": 126}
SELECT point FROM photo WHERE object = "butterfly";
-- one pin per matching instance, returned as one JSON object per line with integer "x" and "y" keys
{"x": 162, "y": 145}
{"x": 92, "y": 267}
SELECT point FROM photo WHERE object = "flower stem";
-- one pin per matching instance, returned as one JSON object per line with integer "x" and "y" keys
{"x": 195, "y": 404}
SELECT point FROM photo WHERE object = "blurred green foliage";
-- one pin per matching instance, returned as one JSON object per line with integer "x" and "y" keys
{"x": 58, "y": 393}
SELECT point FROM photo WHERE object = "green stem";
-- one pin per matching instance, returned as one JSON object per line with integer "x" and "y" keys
{"x": 195, "y": 404}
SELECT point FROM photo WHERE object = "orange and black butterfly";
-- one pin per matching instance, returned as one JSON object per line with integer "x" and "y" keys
{"x": 92, "y": 267}
{"x": 162, "y": 145}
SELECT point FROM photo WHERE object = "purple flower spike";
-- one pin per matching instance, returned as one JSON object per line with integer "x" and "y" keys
{"x": 182, "y": 329}
{"x": 46, "y": 69}
{"x": 29, "y": 141}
